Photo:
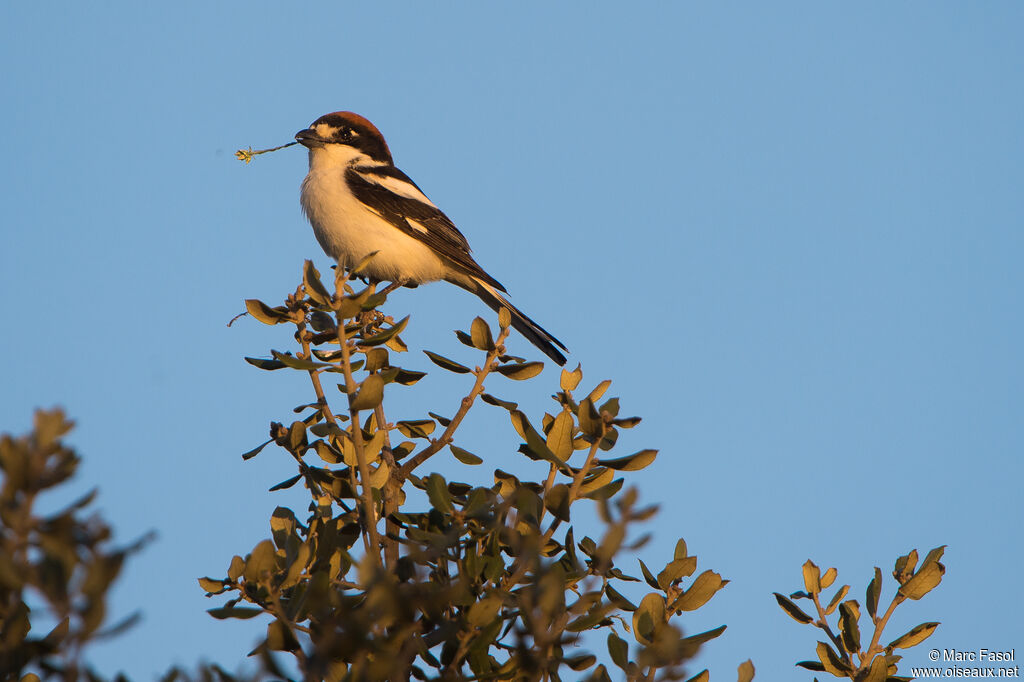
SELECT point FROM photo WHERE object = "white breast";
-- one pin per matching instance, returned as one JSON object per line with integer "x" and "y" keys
{"x": 349, "y": 231}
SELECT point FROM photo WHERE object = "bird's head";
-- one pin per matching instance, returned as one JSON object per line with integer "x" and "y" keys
{"x": 345, "y": 135}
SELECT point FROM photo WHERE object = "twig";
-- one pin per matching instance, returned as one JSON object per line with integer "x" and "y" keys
{"x": 357, "y": 442}
{"x": 467, "y": 402}
{"x": 823, "y": 624}
{"x": 247, "y": 154}
{"x": 880, "y": 625}
{"x": 390, "y": 529}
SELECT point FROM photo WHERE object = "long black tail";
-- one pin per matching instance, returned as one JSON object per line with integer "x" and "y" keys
{"x": 534, "y": 333}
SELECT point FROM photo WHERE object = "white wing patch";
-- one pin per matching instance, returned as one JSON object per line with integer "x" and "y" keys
{"x": 396, "y": 186}
{"x": 417, "y": 226}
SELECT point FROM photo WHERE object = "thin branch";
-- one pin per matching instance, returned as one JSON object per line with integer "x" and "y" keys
{"x": 390, "y": 529}
{"x": 370, "y": 509}
{"x": 478, "y": 387}
{"x": 824, "y": 626}
{"x": 897, "y": 599}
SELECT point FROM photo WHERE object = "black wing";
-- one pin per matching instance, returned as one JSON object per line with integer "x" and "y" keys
{"x": 439, "y": 233}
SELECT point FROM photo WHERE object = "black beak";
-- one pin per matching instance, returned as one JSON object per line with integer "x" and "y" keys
{"x": 309, "y": 138}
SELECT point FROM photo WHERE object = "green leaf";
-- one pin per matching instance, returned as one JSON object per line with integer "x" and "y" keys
{"x": 580, "y": 662}
{"x": 261, "y": 562}
{"x": 557, "y": 501}
{"x": 586, "y": 622}
{"x": 280, "y": 638}
{"x": 386, "y": 335}
{"x": 680, "y": 550}
{"x": 627, "y": 422}
{"x": 403, "y": 450}
{"x": 934, "y": 556}
{"x": 648, "y": 576}
{"x": 701, "y": 638}
{"x": 745, "y": 671}
{"x": 290, "y": 360}
{"x": 314, "y": 287}
{"x": 408, "y": 377}
{"x": 611, "y": 407}
{"x": 878, "y": 671}
{"x": 570, "y": 380}
{"x": 649, "y": 618}
{"x": 792, "y": 609}
{"x": 634, "y": 462}
{"x": 604, "y": 492}
{"x": 536, "y": 447}
{"x": 849, "y": 614}
{"x": 327, "y": 452}
{"x": 437, "y": 492}
{"x": 905, "y": 566}
{"x": 599, "y": 390}
{"x": 618, "y": 649}
{"x": 286, "y": 483}
{"x": 831, "y": 661}
{"x": 325, "y": 429}
{"x": 874, "y": 589}
{"x": 212, "y": 586}
{"x": 498, "y": 402}
{"x": 480, "y": 334}
{"x": 589, "y": 420}
{"x": 269, "y": 365}
{"x": 240, "y": 612}
{"x": 417, "y": 428}
{"x": 465, "y": 456}
{"x": 618, "y": 599}
{"x": 297, "y": 440}
{"x": 504, "y": 317}
{"x": 914, "y": 637}
{"x": 700, "y": 592}
{"x": 236, "y": 568}
{"x": 264, "y": 313}
{"x": 376, "y": 359}
{"x": 827, "y": 578}
{"x": 924, "y": 581}
{"x": 369, "y": 395}
{"x": 255, "y": 451}
{"x": 559, "y": 439}
{"x": 839, "y": 596}
{"x": 812, "y": 577}
{"x": 521, "y": 371}
{"x": 702, "y": 676}
{"x": 443, "y": 421}
{"x": 676, "y": 569}
{"x": 484, "y": 611}
{"x": 445, "y": 363}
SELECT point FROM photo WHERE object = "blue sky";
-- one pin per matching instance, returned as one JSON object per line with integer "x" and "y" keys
{"x": 790, "y": 235}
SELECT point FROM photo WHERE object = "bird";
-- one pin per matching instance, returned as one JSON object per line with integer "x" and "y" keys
{"x": 359, "y": 203}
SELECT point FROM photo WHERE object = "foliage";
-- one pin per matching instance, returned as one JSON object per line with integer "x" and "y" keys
{"x": 56, "y": 567}
{"x": 398, "y": 573}
{"x": 848, "y": 654}
{"x": 496, "y": 582}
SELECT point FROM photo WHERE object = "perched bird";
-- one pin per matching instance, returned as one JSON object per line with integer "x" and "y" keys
{"x": 358, "y": 202}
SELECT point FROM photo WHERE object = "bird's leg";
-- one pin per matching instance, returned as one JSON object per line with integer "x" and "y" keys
{"x": 391, "y": 287}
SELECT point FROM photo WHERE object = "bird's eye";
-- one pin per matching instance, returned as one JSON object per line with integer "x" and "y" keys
{"x": 345, "y": 134}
